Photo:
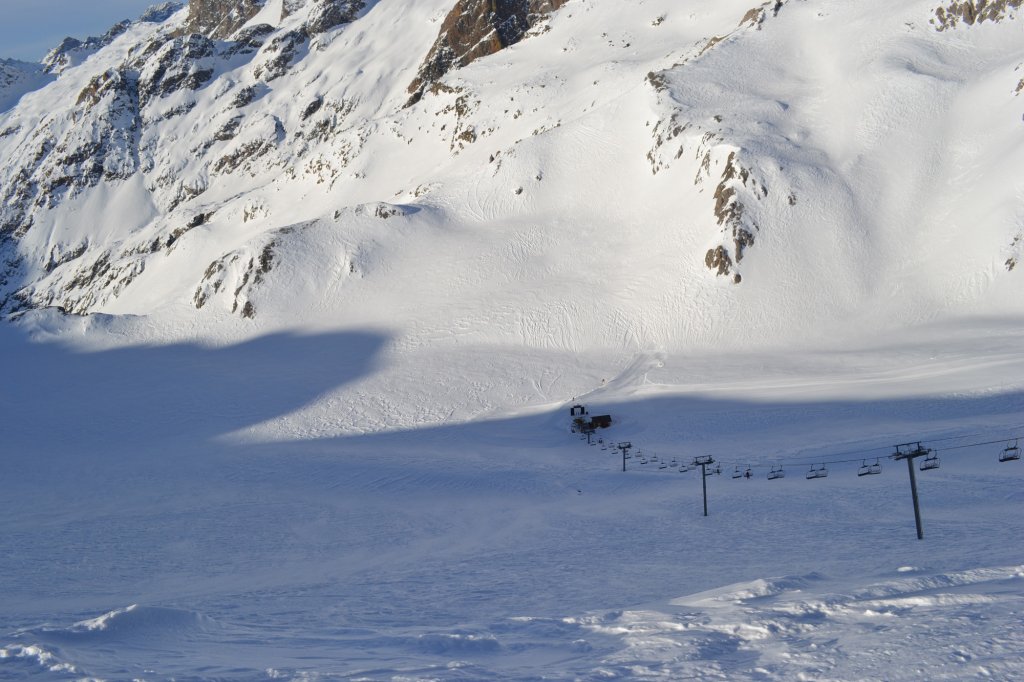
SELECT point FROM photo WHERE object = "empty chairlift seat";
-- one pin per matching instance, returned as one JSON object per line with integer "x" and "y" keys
{"x": 930, "y": 462}
{"x": 817, "y": 472}
{"x": 869, "y": 469}
{"x": 776, "y": 472}
{"x": 1011, "y": 453}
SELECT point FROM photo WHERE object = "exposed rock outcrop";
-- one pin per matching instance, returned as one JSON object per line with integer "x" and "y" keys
{"x": 249, "y": 40}
{"x": 290, "y": 7}
{"x": 219, "y": 19}
{"x": 328, "y": 14}
{"x": 237, "y": 275}
{"x": 973, "y": 12}
{"x": 178, "y": 65}
{"x": 158, "y": 14}
{"x": 475, "y": 29}
{"x": 279, "y": 54}
{"x": 738, "y": 230}
{"x": 1017, "y": 252}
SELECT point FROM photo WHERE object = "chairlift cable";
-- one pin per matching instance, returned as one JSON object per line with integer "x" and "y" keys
{"x": 809, "y": 462}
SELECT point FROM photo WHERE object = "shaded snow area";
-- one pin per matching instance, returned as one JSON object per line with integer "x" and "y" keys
{"x": 143, "y": 541}
{"x": 18, "y": 78}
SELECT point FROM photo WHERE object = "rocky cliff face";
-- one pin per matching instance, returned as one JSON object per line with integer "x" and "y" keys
{"x": 219, "y": 19}
{"x": 475, "y": 29}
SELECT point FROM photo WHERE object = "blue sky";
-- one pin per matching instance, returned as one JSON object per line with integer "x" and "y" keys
{"x": 29, "y": 28}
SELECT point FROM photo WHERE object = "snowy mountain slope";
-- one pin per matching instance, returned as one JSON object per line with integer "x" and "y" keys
{"x": 876, "y": 143}
{"x": 620, "y": 179}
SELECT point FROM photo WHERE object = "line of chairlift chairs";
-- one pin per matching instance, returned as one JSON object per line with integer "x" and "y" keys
{"x": 931, "y": 461}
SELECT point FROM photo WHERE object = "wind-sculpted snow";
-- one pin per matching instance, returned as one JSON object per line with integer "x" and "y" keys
{"x": 792, "y": 632}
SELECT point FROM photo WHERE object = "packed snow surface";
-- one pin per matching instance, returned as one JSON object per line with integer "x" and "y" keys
{"x": 144, "y": 541}
{"x": 372, "y": 476}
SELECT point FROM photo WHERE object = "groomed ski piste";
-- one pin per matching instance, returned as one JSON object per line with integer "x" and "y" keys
{"x": 140, "y": 542}
{"x": 374, "y": 477}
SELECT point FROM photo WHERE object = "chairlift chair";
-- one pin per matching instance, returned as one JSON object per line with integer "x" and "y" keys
{"x": 737, "y": 473}
{"x": 869, "y": 469}
{"x": 817, "y": 472}
{"x": 748, "y": 473}
{"x": 776, "y": 472}
{"x": 663, "y": 465}
{"x": 930, "y": 462}
{"x": 673, "y": 463}
{"x": 643, "y": 460}
{"x": 1011, "y": 453}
